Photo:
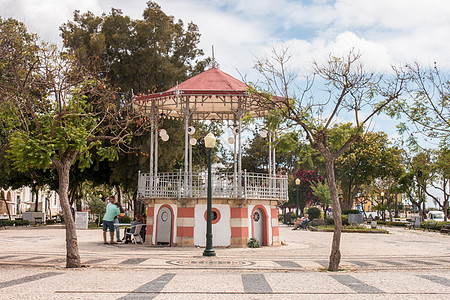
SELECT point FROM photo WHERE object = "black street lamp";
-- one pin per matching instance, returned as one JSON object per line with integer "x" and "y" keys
{"x": 210, "y": 142}
{"x": 297, "y": 183}
{"x": 419, "y": 178}
{"x": 382, "y": 206}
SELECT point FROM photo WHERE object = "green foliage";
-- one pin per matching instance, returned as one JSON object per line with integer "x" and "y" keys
{"x": 399, "y": 224}
{"x": 126, "y": 219}
{"x": 146, "y": 56}
{"x": 330, "y": 221}
{"x": 322, "y": 192}
{"x": 14, "y": 222}
{"x": 255, "y": 156}
{"x": 308, "y": 178}
{"x": 372, "y": 158}
{"x": 6, "y": 222}
{"x": 433, "y": 225}
{"x": 253, "y": 243}
{"x": 96, "y": 205}
{"x": 313, "y": 213}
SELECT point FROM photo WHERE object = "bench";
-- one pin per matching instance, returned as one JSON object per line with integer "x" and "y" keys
{"x": 445, "y": 228}
{"x": 431, "y": 226}
{"x": 38, "y": 220}
{"x": 410, "y": 225}
{"x": 318, "y": 222}
{"x": 288, "y": 219}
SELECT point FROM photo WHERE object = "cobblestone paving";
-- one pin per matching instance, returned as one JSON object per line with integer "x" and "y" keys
{"x": 402, "y": 265}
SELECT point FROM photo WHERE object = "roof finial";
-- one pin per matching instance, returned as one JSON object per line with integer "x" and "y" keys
{"x": 213, "y": 62}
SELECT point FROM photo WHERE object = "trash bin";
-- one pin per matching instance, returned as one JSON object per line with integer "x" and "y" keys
{"x": 373, "y": 224}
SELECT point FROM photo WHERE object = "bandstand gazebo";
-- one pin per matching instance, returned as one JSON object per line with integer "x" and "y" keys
{"x": 244, "y": 205}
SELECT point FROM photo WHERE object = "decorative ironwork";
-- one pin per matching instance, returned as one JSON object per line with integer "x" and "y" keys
{"x": 253, "y": 186}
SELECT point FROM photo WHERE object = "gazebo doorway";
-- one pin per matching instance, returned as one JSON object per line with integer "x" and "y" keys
{"x": 164, "y": 227}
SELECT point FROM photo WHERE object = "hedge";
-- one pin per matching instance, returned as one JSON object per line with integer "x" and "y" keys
{"x": 330, "y": 221}
{"x": 433, "y": 225}
{"x": 14, "y": 222}
{"x": 313, "y": 213}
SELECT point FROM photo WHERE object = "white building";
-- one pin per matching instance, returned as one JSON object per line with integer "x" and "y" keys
{"x": 22, "y": 200}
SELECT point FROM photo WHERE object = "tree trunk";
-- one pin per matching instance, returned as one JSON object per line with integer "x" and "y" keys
{"x": 7, "y": 209}
{"x": 72, "y": 255}
{"x": 445, "y": 210}
{"x": 335, "y": 256}
{"x": 36, "y": 192}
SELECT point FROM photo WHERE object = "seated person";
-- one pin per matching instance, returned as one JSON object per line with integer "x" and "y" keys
{"x": 139, "y": 219}
{"x": 301, "y": 222}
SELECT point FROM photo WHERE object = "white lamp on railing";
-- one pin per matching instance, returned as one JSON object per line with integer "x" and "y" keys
{"x": 210, "y": 142}
{"x": 297, "y": 183}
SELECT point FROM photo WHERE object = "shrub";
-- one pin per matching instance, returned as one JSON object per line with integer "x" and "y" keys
{"x": 6, "y": 222}
{"x": 395, "y": 223}
{"x": 330, "y": 221}
{"x": 253, "y": 243}
{"x": 430, "y": 225}
{"x": 125, "y": 219}
{"x": 350, "y": 211}
{"x": 345, "y": 220}
{"x": 313, "y": 213}
{"x": 21, "y": 222}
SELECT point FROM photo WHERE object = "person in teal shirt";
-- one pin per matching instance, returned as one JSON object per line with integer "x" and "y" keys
{"x": 108, "y": 220}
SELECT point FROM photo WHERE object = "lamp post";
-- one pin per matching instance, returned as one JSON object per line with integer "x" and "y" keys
{"x": 419, "y": 178}
{"x": 210, "y": 142}
{"x": 297, "y": 183}
{"x": 382, "y": 206}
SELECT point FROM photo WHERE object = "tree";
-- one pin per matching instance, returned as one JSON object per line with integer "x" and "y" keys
{"x": 440, "y": 178}
{"x": 322, "y": 192}
{"x": 308, "y": 178}
{"x": 427, "y": 107}
{"x": 96, "y": 206}
{"x": 371, "y": 159}
{"x": 146, "y": 55}
{"x": 58, "y": 111}
{"x": 350, "y": 89}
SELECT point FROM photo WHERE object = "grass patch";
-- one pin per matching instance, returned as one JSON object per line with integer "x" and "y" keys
{"x": 326, "y": 270}
{"x": 349, "y": 228}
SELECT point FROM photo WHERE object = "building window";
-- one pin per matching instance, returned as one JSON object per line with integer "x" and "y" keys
{"x": 215, "y": 215}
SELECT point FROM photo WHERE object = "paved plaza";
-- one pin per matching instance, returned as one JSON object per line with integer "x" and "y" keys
{"x": 405, "y": 264}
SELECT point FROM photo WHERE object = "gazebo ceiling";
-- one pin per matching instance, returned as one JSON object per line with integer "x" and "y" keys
{"x": 210, "y": 95}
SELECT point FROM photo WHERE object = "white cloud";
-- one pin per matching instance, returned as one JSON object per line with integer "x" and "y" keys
{"x": 388, "y": 32}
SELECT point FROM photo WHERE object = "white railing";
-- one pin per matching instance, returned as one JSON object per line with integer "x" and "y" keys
{"x": 224, "y": 185}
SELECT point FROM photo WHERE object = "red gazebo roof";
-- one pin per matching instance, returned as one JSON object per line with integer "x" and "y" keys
{"x": 211, "y": 80}
{"x": 212, "y": 94}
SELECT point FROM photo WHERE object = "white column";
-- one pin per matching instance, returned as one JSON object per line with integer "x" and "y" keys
{"x": 186, "y": 145}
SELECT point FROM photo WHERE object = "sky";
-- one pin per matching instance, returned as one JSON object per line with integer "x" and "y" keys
{"x": 386, "y": 32}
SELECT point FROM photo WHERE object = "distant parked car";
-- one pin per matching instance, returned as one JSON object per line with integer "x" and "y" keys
{"x": 371, "y": 215}
{"x": 435, "y": 215}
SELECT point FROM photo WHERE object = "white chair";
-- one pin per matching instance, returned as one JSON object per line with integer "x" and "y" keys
{"x": 135, "y": 233}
